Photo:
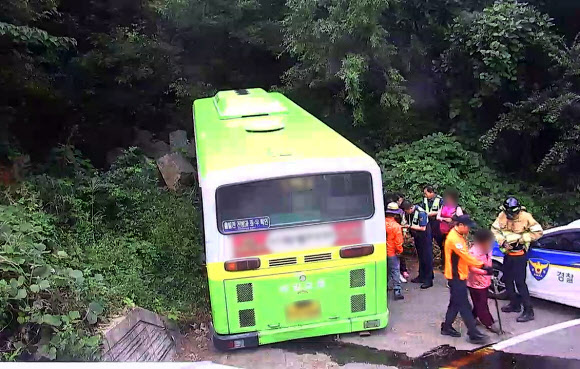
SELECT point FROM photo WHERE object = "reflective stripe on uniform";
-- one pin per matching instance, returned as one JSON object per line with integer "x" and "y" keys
{"x": 415, "y": 220}
{"x": 436, "y": 204}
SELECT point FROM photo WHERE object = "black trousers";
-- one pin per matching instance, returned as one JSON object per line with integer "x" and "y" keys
{"x": 459, "y": 303}
{"x": 437, "y": 236}
{"x": 514, "y": 274}
{"x": 436, "y": 232}
{"x": 442, "y": 247}
{"x": 424, "y": 246}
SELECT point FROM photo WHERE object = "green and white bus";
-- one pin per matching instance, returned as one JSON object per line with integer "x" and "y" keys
{"x": 293, "y": 222}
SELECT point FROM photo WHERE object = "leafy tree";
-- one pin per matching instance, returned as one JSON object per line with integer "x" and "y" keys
{"x": 499, "y": 53}
{"x": 550, "y": 115}
{"x": 341, "y": 46}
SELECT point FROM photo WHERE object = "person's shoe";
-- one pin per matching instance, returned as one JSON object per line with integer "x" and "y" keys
{"x": 449, "y": 331}
{"x": 509, "y": 308}
{"x": 426, "y": 285}
{"x": 403, "y": 280}
{"x": 416, "y": 280}
{"x": 479, "y": 338}
{"x": 399, "y": 295}
{"x": 494, "y": 328}
{"x": 526, "y": 316}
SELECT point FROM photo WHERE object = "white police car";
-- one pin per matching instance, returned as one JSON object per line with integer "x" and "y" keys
{"x": 553, "y": 268}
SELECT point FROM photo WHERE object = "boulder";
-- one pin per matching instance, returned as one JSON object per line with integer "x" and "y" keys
{"x": 179, "y": 143}
{"x": 178, "y": 140}
{"x": 156, "y": 149}
{"x": 176, "y": 170}
{"x": 151, "y": 148}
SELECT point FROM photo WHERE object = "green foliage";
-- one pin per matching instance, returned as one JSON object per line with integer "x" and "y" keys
{"x": 342, "y": 45}
{"x": 77, "y": 247}
{"x": 44, "y": 300}
{"x": 138, "y": 71}
{"x": 441, "y": 159}
{"x": 491, "y": 46}
{"x": 551, "y": 112}
{"x": 35, "y": 36}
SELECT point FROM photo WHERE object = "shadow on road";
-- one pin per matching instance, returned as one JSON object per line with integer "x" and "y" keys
{"x": 444, "y": 356}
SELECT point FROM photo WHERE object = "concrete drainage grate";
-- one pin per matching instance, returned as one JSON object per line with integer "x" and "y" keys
{"x": 140, "y": 335}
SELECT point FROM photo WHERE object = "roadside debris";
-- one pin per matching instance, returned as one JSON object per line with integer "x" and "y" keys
{"x": 176, "y": 171}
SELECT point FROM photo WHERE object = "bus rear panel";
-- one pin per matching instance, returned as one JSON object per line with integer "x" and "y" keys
{"x": 305, "y": 268}
{"x": 293, "y": 223}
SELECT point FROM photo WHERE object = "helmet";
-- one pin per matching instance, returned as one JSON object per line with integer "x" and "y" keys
{"x": 511, "y": 207}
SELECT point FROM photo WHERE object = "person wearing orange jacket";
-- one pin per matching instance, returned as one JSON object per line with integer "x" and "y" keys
{"x": 394, "y": 247}
{"x": 457, "y": 263}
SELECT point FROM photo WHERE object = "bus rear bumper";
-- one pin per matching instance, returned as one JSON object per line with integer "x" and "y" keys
{"x": 253, "y": 339}
{"x": 364, "y": 323}
{"x": 230, "y": 342}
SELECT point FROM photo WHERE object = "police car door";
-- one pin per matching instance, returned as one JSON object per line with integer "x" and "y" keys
{"x": 554, "y": 267}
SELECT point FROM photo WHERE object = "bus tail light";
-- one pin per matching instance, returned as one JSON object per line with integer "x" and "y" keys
{"x": 242, "y": 264}
{"x": 356, "y": 251}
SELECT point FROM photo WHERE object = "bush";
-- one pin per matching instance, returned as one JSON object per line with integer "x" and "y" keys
{"x": 441, "y": 160}
{"x": 47, "y": 306}
{"x": 80, "y": 242}
{"x": 143, "y": 238}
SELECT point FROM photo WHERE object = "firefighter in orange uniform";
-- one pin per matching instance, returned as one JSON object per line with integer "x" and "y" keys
{"x": 457, "y": 262}
{"x": 394, "y": 247}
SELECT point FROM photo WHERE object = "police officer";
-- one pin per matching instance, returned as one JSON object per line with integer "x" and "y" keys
{"x": 417, "y": 222}
{"x": 515, "y": 229}
{"x": 432, "y": 203}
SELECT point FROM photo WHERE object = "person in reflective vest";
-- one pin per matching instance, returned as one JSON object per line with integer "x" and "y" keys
{"x": 432, "y": 204}
{"x": 514, "y": 230}
{"x": 417, "y": 222}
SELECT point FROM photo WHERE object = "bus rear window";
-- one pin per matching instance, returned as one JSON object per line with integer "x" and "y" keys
{"x": 281, "y": 202}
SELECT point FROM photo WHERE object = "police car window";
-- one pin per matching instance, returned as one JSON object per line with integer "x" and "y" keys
{"x": 569, "y": 242}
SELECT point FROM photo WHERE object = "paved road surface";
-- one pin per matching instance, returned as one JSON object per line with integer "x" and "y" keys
{"x": 415, "y": 322}
{"x": 412, "y": 340}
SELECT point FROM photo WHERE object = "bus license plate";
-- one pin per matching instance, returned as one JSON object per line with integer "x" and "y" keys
{"x": 303, "y": 310}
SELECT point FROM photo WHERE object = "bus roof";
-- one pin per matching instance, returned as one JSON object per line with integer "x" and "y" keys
{"x": 248, "y": 127}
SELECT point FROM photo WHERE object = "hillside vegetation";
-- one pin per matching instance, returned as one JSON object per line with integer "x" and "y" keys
{"x": 481, "y": 95}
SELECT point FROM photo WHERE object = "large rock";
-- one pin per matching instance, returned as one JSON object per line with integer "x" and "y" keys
{"x": 178, "y": 140}
{"x": 157, "y": 149}
{"x": 140, "y": 335}
{"x": 151, "y": 147}
{"x": 176, "y": 170}
{"x": 179, "y": 143}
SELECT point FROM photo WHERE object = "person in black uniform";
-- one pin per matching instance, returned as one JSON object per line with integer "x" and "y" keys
{"x": 417, "y": 222}
{"x": 432, "y": 203}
